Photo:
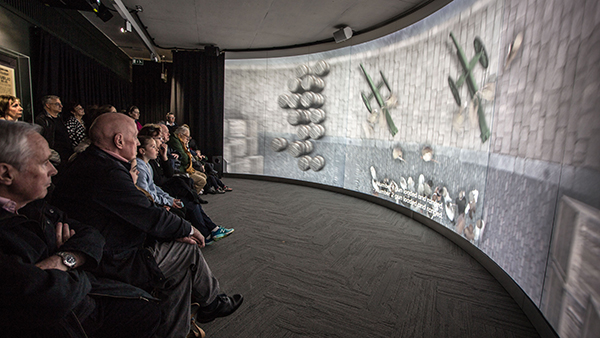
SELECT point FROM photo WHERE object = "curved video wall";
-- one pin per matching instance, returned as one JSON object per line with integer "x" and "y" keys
{"x": 483, "y": 116}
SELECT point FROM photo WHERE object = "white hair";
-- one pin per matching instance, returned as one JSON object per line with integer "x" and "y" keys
{"x": 14, "y": 146}
{"x": 180, "y": 130}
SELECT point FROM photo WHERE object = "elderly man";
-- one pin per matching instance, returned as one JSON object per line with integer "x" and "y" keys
{"x": 146, "y": 245}
{"x": 179, "y": 143}
{"x": 54, "y": 130}
{"x": 43, "y": 290}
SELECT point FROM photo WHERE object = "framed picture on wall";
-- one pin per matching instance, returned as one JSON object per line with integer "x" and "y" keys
{"x": 7, "y": 81}
{"x": 15, "y": 79}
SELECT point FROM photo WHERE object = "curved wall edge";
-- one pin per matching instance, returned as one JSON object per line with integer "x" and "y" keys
{"x": 532, "y": 312}
{"x": 403, "y": 22}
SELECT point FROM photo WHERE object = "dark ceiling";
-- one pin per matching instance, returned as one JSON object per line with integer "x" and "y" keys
{"x": 257, "y": 25}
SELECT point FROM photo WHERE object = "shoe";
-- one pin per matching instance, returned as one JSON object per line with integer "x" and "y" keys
{"x": 201, "y": 201}
{"x": 220, "y": 191}
{"x": 226, "y": 188}
{"x": 222, "y": 306}
{"x": 195, "y": 330}
{"x": 208, "y": 241}
{"x": 221, "y": 233}
{"x": 212, "y": 190}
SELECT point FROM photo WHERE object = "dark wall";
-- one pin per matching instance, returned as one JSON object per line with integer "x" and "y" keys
{"x": 150, "y": 92}
{"x": 61, "y": 70}
{"x": 67, "y": 25}
{"x": 14, "y": 32}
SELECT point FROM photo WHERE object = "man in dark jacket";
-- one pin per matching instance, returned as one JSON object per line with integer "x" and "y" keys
{"x": 146, "y": 245}
{"x": 44, "y": 291}
{"x": 54, "y": 130}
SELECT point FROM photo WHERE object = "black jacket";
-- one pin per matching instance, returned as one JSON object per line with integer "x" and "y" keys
{"x": 48, "y": 303}
{"x": 97, "y": 189}
{"x": 55, "y": 132}
{"x": 178, "y": 186}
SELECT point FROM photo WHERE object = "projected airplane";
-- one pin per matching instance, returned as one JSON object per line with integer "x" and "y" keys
{"x": 467, "y": 76}
{"x": 375, "y": 93}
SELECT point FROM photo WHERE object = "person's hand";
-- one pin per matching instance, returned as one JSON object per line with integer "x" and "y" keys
{"x": 52, "y": 262}
{"x": 192, "y": 240}
{"x": 177, "y": 203}
{"x": 167, "y": 207}
{"x": 175, "y": 156}
{"x": 63, "y": 233}
{"x": 56, "y": 262}
{"x": 196, "y": 238}
{"x": 162, "y": 150}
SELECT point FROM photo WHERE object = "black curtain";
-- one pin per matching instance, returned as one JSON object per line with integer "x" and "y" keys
{"x": 197, "y": 96}
{"x": 59, "y": 69}
{"x": 150, "y": 92}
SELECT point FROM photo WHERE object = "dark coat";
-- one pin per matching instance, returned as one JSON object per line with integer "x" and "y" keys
{"x": 178, "y": 186}
{"x": 48, "y": 303}
{"x": 97, "y": 189}
{"x": 55, "y": 132}
{"x": 178, "y": 147}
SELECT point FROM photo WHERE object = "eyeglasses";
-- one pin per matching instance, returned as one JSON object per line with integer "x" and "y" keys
{"x": 57, "y": 104}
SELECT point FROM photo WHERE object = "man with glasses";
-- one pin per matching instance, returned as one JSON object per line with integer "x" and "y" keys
{"x": 45, "y": 257}
{"x": 179, "y": 143}
{"x": 170, "y": 123}
{"x": 54, "y": 130}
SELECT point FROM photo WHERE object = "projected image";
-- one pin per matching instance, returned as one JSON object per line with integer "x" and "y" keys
{"x": 486, "y": 93}
{"x": 305, "y": 103}
{"x": 405, "y": 121}
{"x": 381, "y": 114}
{"x": 475, "y": 117}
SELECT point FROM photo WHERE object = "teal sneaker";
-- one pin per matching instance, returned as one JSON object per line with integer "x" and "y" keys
{"x": 221, "y": 233}
{"x": 208, "y": 241}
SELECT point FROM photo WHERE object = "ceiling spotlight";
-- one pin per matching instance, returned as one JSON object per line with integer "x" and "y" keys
{"x": 342, "y": 34}
{"x": 126, "y": 27}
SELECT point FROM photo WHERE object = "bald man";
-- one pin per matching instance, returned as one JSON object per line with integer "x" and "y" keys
{"x": 146, "y": 245}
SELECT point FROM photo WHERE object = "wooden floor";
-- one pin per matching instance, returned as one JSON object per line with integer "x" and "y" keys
{"x": 313, "y": 263}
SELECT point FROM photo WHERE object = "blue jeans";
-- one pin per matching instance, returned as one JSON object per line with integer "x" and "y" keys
{"x": 199, "y": 219}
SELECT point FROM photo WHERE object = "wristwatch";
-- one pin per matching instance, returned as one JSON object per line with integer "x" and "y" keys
{"x": 68, "y": 259}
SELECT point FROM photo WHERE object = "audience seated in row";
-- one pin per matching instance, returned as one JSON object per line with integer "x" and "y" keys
{"x": 147, "y": 151}
{"x": 146, "y": 245}
{"x": 148, "y": 249}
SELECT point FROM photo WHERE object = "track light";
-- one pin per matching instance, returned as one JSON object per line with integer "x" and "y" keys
{"x": 124, "y": 13}
{"x": 126, "y": 27}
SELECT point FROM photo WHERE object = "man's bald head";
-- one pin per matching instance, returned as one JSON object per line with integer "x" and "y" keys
{"x": 116, "y": 133}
